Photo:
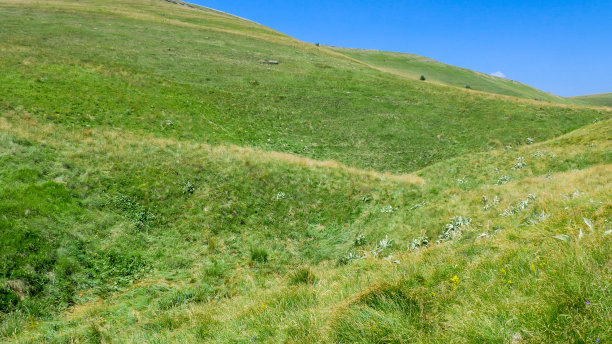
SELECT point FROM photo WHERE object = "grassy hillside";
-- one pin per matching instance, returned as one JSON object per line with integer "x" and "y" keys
{"x": 413, "y": 66}
{"x": 226, "y": 244}
{"x": 603, "y": 99}
{"x": 161, "y": 185}
{"x": 177, "y": 72}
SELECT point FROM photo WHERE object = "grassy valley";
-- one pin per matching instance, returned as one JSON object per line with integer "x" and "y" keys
{"x": 162, "y": 182}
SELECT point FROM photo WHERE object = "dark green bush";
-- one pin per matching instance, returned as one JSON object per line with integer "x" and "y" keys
{"x": 8, "y": 300}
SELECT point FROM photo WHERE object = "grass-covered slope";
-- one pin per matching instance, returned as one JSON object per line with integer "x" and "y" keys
{"x": 603, "y": 99}
{"x": 157, "y": 240}
{"x": 179, "y": 72}
{"x": 159, "y": 184}
{"x": 413, "y": 66}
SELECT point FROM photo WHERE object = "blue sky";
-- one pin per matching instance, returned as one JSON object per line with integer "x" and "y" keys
{"x": 563, "y": 47}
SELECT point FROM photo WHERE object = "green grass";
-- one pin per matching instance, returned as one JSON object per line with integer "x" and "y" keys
{"x": 603, "y": 99}
{"x": 151, "y": 192}
{"x": 413, "y": 66}
{"x": 126, "y": 66}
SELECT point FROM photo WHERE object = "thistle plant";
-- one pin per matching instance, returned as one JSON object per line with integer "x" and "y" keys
{"x": 488, "y": 204}
{"x": 188, "y": 188}
{"x": 386, "y": 242}
{"x": 349, "y": 257}
{"x": 421, "y": 241}
{"x": 387, "y": 209}
{"x": 360, "y": 240}
{"x": 418, "y": 205}
{"x": 519, "y": 163}
{"x": 453, "y": 229}
{"x": 503, "y": 180}
{"x": 519, "y": 206}
{"x": 381, "y": 246}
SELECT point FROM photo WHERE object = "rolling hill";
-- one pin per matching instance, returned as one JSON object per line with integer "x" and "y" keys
{"x": 164, "y": 182}
{"x": 603, "y": 99}
{"x": 413, "y": 66}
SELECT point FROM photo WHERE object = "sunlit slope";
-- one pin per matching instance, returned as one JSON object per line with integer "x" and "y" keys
{"x": 159, "y": 240}
{"x": 413, "y": 66}
{"x": 160, "y": 183}
{"x": 195, "y": 74}
{"x": 603, "y": 99}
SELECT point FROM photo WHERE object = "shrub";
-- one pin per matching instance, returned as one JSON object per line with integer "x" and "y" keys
{"x": 423, "y": 78}
{"x": 468, "y": 86}
{"x": 8, "y": 300}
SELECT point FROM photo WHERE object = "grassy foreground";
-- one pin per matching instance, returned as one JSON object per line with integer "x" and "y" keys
{"x": 226, "y": 244}
{"x": 152, "y": 192}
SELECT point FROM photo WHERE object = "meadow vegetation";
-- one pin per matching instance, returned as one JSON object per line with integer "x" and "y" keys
{"x": 411, "y": 66}
{"x": 603, "y": 99}
{"x": 152, "y": 192}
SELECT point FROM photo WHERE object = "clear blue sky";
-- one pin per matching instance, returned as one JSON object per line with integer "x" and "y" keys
{"x": 563, "y": 47}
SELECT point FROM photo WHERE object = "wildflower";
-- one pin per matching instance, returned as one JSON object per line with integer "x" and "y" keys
{"x": 533, "y": 268}
{"x": 509, "y": 281}
{"x": 503, "y": 271}
{"x": 433, "y": 293}
{"x": 279, "y": 196}
{"x": 455, "y": 281}
{"x": 529, "y": 140}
